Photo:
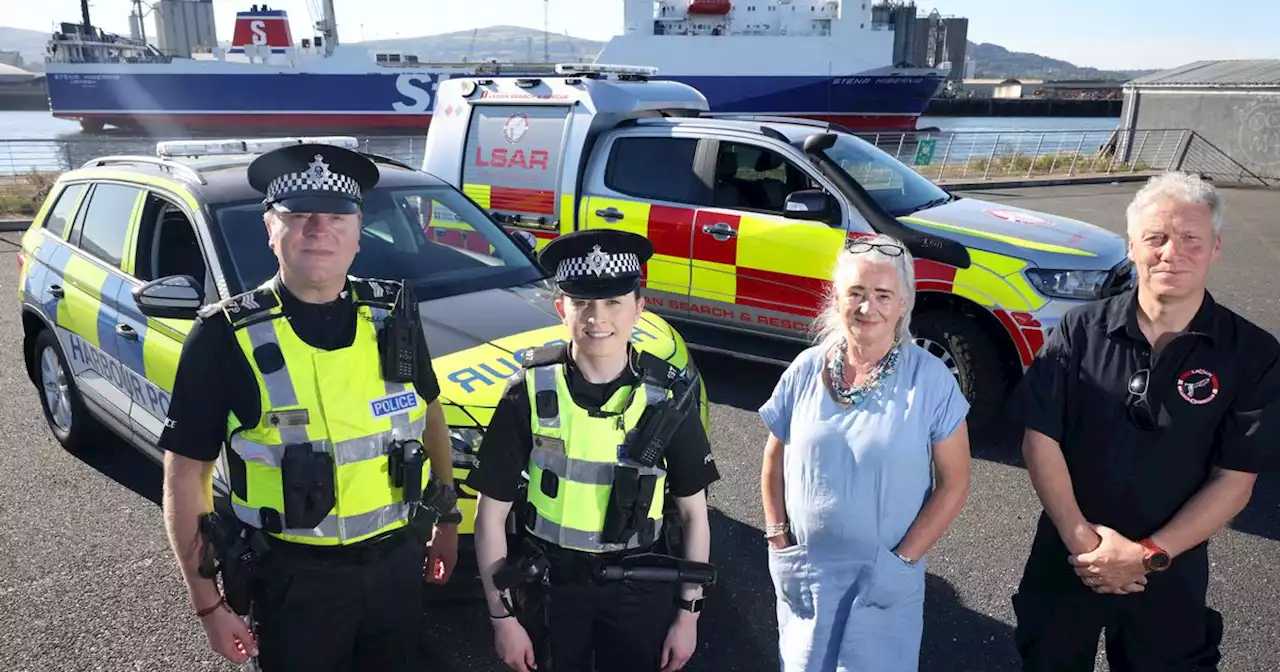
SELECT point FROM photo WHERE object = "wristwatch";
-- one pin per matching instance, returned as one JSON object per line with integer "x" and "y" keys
{"x": 1154, "y": 559}
{"x": 692, "y": 606}
{"x": 453, "y": 517}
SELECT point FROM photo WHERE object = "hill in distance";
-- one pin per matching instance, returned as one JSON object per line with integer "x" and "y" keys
{"x": 996, "y": 62}
{"x": 515, "y": 43}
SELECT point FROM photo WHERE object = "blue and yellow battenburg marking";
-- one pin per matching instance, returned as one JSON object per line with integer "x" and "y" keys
{"x": 94, "y": 301}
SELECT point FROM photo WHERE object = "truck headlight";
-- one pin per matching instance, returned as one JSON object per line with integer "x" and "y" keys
{"x": 1083, "y": 285}
{"x": 465, "y": 443}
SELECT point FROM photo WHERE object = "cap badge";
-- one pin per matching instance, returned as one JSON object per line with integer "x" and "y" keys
{"x": 596, "y": 261}
{"x": 317, "y": 171}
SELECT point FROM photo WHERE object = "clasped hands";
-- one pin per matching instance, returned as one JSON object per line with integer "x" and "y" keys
{"x": 1114, "y": 566}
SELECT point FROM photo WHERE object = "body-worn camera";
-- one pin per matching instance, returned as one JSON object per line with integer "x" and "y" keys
{"x": 406, "y": 460}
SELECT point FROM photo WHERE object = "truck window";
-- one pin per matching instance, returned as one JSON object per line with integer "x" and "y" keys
{"x": 756, "y": 178}
{"x": 653, "y": 168}
{"x": 512, "y": 160}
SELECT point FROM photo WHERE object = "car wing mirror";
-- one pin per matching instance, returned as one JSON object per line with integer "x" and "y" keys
{"x": 811, "y": 204}
{"x": 173, "y": 297}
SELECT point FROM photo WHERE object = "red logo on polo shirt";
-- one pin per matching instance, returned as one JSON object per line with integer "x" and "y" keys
{"x": 1198, "y": 386}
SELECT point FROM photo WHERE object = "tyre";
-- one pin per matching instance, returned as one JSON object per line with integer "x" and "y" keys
{"x": 64, "y": 409}
{"x": 967, "y": 350}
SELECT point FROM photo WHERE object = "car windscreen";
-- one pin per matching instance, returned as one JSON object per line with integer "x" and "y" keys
{"x": 433, "y": 237}
{"x": 896, "y": 187}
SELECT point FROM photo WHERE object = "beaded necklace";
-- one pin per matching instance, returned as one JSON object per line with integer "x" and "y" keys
{"x": 853, "y": 396}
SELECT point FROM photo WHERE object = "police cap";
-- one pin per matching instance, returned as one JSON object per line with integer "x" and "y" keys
{"x": 596, "y": 264}
{"x": 313, "y": 178}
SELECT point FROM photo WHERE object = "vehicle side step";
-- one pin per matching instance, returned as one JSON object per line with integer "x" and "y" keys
{"x": 738, "y": 345}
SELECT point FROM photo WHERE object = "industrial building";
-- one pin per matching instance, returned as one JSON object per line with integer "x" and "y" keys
{"x": 1233, "y": 105}
{"x": 932, "y": 41}
{"x": 182, "y": 27}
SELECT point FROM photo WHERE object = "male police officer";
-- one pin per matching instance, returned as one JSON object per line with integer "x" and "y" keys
{"x": 568, "y": 418}
{"x": 289, "y": 378}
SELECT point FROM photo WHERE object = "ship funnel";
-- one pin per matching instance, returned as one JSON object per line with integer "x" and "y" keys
{"x": 263, "y": 31}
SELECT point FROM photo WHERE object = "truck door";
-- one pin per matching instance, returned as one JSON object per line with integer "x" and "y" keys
{"x": 512, "y": 160}
{"x": 646, "y": 183}
{"x": 763, "y": 270}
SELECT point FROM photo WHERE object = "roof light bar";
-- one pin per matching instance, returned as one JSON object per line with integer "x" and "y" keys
{"x": 604, "y": 69}
{"x": 193, "y": 148}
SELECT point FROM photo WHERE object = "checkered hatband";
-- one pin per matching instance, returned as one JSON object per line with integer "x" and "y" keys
{"x": 317, "y": 178}
{"x": 599, "y": 264}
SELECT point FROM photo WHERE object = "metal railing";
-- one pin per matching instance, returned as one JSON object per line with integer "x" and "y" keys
{"x": 967, "y": 156}
{"x": 945, "y": 157}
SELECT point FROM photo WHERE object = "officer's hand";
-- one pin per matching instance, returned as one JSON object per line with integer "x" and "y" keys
{"x": 682, "y": 637}
{"x": 443, "y": 554}
{"x": 513, "y": 645}
{"x": 229, "y": 636}
{"x": 1114, "y": 566}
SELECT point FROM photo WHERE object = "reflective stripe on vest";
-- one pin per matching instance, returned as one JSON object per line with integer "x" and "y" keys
{"x": 574, "y": 517}
{"x": 361, "y": 475}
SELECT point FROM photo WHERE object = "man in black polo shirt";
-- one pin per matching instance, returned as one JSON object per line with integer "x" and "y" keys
{"x": 1148, "y": 416}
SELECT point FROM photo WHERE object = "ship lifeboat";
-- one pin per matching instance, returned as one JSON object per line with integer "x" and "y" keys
{"x": 717, "y": 7}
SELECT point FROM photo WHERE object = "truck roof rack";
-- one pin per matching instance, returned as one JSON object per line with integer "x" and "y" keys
{"x": 595, "y": 70}
{"x": 174, "y": 167}
{"x": 780, "y": 119}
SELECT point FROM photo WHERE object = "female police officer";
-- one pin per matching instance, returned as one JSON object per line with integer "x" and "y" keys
{"x": 288, "y": 377}
{"x": 566, "y": 419}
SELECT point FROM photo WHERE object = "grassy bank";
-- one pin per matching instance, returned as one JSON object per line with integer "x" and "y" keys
{"x": 1022, "y": 166}
{"x": 22, "y": 195}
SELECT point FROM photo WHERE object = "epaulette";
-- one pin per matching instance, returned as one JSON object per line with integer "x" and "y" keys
{"x": 246, "y": 308}
{"x": 544, "y": 355}
{"x": 375, "y": 291}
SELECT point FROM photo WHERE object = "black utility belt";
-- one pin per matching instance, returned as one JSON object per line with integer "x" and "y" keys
{"x": 310, "y": 490}
{"x": 360, "y": 553}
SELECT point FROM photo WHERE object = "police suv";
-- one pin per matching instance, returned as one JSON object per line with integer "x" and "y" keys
{"x": 126, "y": 249}
{"x": 747, "y": 214}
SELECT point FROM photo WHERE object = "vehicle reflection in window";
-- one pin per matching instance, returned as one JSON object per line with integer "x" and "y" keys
{"x": 895, "y": 186}
{"x": 431, "y": 236}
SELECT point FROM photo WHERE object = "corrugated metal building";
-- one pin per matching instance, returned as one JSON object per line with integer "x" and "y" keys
{"x": 1235, "y": 105}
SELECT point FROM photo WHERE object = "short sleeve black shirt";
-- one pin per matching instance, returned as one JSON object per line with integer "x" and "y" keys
{"x": 214, "y": 379}
{"x": 1214, "y": 390}
{"x": 508, "y": 441}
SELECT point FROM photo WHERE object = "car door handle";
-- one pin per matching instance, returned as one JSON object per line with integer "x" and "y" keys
{"x": 609, "y": 213}
{"x": 720, "y": 231}
{"x": 126, "y": 332}
{"x": 57, "y": 291}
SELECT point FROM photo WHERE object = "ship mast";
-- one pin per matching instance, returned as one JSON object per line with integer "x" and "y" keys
{"x": 84, "y": 13}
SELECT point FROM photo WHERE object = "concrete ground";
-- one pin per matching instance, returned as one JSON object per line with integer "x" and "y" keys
{"x": 87, "y": 581}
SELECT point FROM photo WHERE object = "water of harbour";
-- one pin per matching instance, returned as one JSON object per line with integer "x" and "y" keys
{"x": 49, "y": 144}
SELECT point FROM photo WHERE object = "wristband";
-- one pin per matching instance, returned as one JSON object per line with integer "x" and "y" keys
{"x": 201, "y": 613}
{"x": 774, "y": 529}
{"x": 499, "y": 618}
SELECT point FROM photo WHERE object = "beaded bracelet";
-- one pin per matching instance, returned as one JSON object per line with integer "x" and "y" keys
{"x": 774, "y": 529}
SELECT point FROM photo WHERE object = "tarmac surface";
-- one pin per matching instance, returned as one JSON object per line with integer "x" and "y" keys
{"x": 87, "y": 581}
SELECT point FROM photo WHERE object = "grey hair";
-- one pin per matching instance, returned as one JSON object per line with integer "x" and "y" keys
{"x": 1181, "y": 188}
{"x": 829, "y": 325}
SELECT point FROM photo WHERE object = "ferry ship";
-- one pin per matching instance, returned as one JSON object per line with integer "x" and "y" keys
{"x": 818, "y": 59}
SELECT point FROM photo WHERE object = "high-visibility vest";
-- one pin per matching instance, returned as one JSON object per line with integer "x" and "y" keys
{"x": 571, "y": 466}
{"x": 335, "y": 400}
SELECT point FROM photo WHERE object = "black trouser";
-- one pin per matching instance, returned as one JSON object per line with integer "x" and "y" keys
{"x": 331, "y": 609}
{"x": 1166, "y": 628}
{"x": 616, "y": 626}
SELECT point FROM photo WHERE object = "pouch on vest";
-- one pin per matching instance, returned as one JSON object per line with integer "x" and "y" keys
{"x": 618, "y": 517}
{"x": 307, "y": 477}
{"x": 405, "y": 468}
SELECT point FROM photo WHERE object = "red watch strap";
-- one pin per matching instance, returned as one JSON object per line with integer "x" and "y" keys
{"x": 1152, "y": 547}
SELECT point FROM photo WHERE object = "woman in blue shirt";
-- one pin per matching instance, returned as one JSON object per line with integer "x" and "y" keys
{"x": 859, "y": 425}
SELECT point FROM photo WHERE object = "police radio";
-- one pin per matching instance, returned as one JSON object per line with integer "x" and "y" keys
{"x": 658, "y": 424}
{"x": 398, "y": 341}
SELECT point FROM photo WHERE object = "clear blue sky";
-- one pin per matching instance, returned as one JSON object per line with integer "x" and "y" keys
{"x": 1098, "y": 33}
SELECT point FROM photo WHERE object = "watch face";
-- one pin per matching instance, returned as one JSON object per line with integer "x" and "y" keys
{"x": 1159, "y": 561}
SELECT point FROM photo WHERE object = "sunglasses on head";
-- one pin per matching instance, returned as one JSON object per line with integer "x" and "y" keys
{"x": 883, "y": 248}
{"x": 1138, "y": 403}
